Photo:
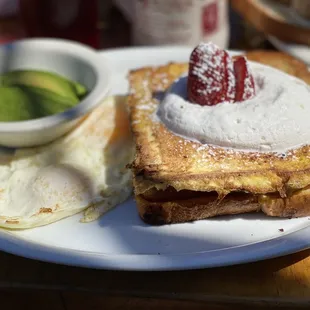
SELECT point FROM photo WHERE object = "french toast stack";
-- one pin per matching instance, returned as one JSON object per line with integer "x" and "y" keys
{"x": 177, "y": 180}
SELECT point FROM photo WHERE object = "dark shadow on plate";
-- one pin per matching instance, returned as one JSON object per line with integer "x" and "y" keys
{"x": 128, "y": 214}
{"x": 160, "y": 95}
{"x": 135, "y": 236}
{"x": 128, "y": 229}
{"x": 247, "y": 216}
{"x": 179, "y": 88}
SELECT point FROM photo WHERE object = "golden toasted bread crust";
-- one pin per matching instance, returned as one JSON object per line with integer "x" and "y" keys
{"x": 169, "y": 206}
{"x": 165, "y": 160}
{"x": 178, "y": 211}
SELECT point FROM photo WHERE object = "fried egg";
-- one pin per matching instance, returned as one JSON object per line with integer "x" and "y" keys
{"x": 82, "y": 171}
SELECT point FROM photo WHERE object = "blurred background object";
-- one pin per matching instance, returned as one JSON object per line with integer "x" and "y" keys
{"x": 127, "y": 8}
{"x": 177, "y": 22}
{"x": 235, "y": 24}
{"x": 117, "y": 23}
{"x": 273, "y": 18}
{"x": 231, "y": 28}
{"x": 10, "y": 28}
{"x": 75, "y": 20}
{"x": 302, "y": 10}
{"x": 8, "y": 8}
{"x": 278, "y": 22}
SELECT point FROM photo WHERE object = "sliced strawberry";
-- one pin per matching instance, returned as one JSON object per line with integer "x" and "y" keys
{"x": 211, "y": 75}
{"x": 245, "y": 87}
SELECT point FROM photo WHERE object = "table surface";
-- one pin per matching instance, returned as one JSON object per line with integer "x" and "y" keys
{"x": 283, "y": 281}
{"x": 24, "y": 283}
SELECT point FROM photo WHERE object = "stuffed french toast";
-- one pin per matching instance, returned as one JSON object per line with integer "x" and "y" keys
{"x": 221, "y": 135}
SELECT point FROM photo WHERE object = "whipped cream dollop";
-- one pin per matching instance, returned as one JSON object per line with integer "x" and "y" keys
{"x": 277, "y": 119}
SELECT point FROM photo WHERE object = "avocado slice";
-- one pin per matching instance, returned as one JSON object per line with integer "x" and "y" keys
{"x": 80, "y": 90}
{"x": 46, "y": 102}
{"x": 44, "y": 80}
{"x": 15, "y": 105}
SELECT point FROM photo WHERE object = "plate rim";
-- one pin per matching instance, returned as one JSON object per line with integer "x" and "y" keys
{"x": 288, "y": 243}
{"x": 257, "y": 251}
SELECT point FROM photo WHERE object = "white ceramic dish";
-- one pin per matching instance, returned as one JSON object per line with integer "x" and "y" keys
{"x": 299, "y": 51}
{"x": 120, "y": 240}
{"x": 72, "y": 60}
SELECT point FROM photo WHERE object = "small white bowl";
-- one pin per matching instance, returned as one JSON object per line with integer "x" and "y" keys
{"x": 72, "y": 60}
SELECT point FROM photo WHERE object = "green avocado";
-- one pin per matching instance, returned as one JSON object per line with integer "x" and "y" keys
{"x": 30, "y": 94}
{"x": 46, "y": 102}
{"x": 80, "y": 89}
{"x": 44, "y": 80}
{"x": 15, "y": 105}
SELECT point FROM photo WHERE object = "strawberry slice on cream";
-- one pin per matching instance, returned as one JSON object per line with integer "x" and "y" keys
{"x": 214, "y": 77}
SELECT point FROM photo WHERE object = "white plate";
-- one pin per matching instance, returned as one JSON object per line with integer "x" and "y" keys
{"x": 299, "y": 51}
{"x": 120, "y": 240}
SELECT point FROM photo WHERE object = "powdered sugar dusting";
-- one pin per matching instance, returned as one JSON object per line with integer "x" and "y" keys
{"x": 223, "y": 159}
{"x": 148, "y": 106}
{"x": 249, "y": 89}
{"x": 275, "y": 120}
{"x": 211, "y": 77}
{"x": 231, "y": 82}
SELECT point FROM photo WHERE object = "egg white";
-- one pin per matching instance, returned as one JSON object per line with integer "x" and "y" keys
{"x": 84, "y": 170}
